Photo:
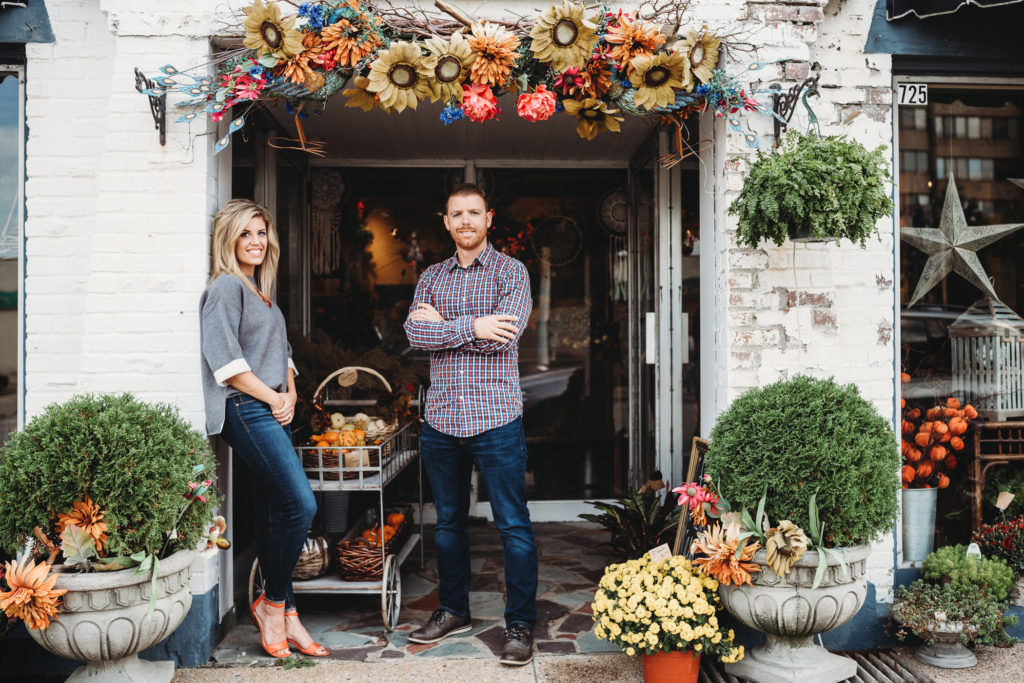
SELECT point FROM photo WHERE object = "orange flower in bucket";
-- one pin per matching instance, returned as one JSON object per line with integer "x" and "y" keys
{"x": 32, "y": 597}
{"x": 724, "y": 560}
{"x": 85, "y": 514}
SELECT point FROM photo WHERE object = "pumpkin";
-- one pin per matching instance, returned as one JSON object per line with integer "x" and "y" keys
{"x": 953, "y": 403}
{"x": 970, "y": 412}
{"x": 943, "y": 481}
{"x": 924, "y": 469}
{"x": 939, "y": 427}
{"x": 933, "y": 413}
{"x": 949, "y": 462}
{"x": 331, "y": 436}
{"x": 914, "y": 414}
{"x": 396, "y": 518}
{"x": 913, "y": 455}
{"x": 908, "y": 473}
{"x": 956, "y": 443}
{"x": 922, "y": 439}
{"x": 937, "y": 453}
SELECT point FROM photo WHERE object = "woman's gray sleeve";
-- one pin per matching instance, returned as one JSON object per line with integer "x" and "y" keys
{"x": 221, "y": 350}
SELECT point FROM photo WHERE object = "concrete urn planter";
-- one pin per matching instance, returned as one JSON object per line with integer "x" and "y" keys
{"x": 103, "y": 621}
{"x": 790, "y": 613}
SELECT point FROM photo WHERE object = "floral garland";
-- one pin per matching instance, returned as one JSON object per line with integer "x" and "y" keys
{"x": 596, "y": 68}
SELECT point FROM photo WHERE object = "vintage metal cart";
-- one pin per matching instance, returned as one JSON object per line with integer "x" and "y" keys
{"x": 376, "y": 465}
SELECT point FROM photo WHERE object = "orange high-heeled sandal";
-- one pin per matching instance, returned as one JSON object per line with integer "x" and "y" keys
{"x": 314, "y": 649}
{"x": 278, "y": 650}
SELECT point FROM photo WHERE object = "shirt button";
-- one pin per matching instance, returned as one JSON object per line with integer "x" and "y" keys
{"x": 460, "y": 398}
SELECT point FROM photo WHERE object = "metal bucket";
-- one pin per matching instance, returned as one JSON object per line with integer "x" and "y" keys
{"x": 918, "y": 523}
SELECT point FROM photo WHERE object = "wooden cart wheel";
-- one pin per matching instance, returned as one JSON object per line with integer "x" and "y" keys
{"x": 391, "y": 593}
{"x": 255, "y": 582}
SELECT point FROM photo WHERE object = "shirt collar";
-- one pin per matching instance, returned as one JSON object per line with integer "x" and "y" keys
{"x": 483, "y": 258}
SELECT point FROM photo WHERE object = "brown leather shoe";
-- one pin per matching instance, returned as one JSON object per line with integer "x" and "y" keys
{"x": 518, "y": 646}
{"x": 441, "y": 625}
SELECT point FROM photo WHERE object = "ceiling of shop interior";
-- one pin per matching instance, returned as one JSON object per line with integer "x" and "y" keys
{"x": 420, "y": 135}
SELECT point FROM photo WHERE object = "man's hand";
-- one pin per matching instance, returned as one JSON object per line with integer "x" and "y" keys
{"x": 497, "y": 327}
{"x": 427, "y": 313}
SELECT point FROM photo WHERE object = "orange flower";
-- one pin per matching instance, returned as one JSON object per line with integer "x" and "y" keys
{"x": 299, "y": 69}
{"x": 32, "y": 596}
{"x": 597, "y": 79}
{"x": 632, "y": 38}
{"x": 495, "y": 49}
{"x": 351, "y": 42}
{"x": 87, "y": 515}
{"x": 721, "y": 562}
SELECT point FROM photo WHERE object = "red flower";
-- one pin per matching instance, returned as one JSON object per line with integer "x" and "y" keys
{"x": 537, "y": 106}
{"x": 479, "y": 102}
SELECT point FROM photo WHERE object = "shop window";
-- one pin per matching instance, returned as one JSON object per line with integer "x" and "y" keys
{"x": 11, "y": 135}
{"x": 974, "y": 140}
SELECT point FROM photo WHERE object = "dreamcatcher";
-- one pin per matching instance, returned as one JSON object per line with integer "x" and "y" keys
{"x": 613, "y": 216}
{"x": 329, "y": 191}
{"x": 558, "y": 240}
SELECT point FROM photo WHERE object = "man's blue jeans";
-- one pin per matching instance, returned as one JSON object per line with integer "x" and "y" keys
{"x": 284, "y": 501}
{"x": 500, "y": 455}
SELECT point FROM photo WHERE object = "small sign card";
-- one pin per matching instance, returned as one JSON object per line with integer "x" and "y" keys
{"x": 1004, "y": 500}
{"x": 660, "y": 553}
{"x": 974, "y": 550}
{"x": 940, "y": 617}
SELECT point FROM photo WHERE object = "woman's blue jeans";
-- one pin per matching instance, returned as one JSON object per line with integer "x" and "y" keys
{"x": 284, "y": 501}
{"x": 500, "y": 455}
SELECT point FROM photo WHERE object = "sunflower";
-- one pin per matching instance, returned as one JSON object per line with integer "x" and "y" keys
{"x": 32, "y": 596}
{"x": 594, "y": 116}
{"x": 450, "y": 59}
{"x": 655, "y": 77}
{"x": 632, "y": 38}
{"x": 722, "y": 561}
{"x": 85, "y": 514}
{"x": 299, "y": 69}
{"x": 400, "y": 76}
{"x": 495, "y": 49}
{"x": 563, "y": 36}
{"x": 701, "y": 50}
{"x": 359, "y": 96}
{"x": 267, "y": 33}
{"x": 351, "y": 42}
{"x": 786, "y": 544}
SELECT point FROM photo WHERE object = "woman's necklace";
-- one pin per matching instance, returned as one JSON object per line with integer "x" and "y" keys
{"x": 265, "y": 299}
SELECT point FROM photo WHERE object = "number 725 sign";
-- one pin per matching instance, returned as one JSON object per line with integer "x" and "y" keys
{"x": 911, "y": 94}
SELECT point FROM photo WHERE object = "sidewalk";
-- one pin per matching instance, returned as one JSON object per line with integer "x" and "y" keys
{"x": 571, "y": 564}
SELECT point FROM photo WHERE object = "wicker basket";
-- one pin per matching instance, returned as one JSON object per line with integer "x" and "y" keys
{"x": 358, "y": 560}
{"x": 314, "y": 459}
{"x": 313, "y": 560}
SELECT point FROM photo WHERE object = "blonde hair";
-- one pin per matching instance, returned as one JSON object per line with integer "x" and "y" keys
{"x": 228, "y": 225}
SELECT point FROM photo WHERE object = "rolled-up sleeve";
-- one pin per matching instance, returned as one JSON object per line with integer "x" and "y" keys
{"x": 435, "y": 336}
{"x": 221, "y": 350}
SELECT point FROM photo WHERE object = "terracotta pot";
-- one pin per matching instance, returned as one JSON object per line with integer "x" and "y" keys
{"x": 671, "y": 667}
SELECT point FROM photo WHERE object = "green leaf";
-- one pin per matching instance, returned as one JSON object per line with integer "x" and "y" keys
{"x": 747, "y": 521}
{"x": 76, "y": 545}
{"x": 841, "y": 556}
{"x": 268, "y": 61}
{"x": 144, "y": 566}
{"x": 760, "y": 509}
{"x": 812, "y": 515}
{"x": 819, "y": 575}
{"x": 113, "y": 564}
{"x": 152, "y": 587}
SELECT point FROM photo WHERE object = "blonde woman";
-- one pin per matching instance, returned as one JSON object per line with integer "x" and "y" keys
{"x": 249, "y": 392}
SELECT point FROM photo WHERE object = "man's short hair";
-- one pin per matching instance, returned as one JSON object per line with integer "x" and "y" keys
{"x": 465, "y": 190}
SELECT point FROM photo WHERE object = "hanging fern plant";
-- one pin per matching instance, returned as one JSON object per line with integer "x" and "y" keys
{"x": 814, "y": 188}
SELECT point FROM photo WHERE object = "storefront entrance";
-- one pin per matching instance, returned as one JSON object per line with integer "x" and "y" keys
{"x": 612, "y": 248}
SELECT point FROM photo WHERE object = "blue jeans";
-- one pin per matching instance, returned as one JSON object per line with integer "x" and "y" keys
{"x": 500, "y": 455}
{"x": 284, "y": 501}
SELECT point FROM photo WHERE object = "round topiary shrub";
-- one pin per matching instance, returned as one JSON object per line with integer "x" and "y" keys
{"x": 135, "y": 461}
{"x": 804, "y": 436}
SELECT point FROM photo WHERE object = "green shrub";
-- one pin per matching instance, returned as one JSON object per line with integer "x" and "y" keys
{"x": 915, "y": 606}
{"x": 804, "y": 436}
{"x": 951, "y": 565}
{"x": 831, "y": 185}
{"x": 134, "y": 460}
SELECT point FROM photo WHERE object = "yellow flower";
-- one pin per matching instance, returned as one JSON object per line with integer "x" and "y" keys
{"x": 594, "y": 116}
{"x": 360, "y": 97}
{"x": 599, "y": 632}
{"x": 656, "y": 76}
{"x": 267, "y": 33}
{"x": 400, "y": 77}
{"x": 563, "y": 36}
{"x": 697, "y": 647}
{"x": 786, "y": 544}
{"x": 701, "y": 51}
{"x": 630, "y": 651}
{"x": 451, "y": 59}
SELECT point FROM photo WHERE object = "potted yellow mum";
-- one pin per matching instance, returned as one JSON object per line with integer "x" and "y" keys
{"x": 667, "y": 612}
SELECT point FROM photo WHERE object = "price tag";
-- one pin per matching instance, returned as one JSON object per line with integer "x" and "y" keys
{"x": 974, "y": 550}
{"x": 940, "y": 617}
{"x": 912, "y": 94}
{"x": 660, "y": 553}
{"x": 1004, "y": 500}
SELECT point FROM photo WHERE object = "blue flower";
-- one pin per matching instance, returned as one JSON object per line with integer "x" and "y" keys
{"x": 626, "y": 83}
{"x": 559, "y": 107}
{"x": 304, "y": 9}
{"x": 256, "y": 71}
{"x": 451, "y": 114}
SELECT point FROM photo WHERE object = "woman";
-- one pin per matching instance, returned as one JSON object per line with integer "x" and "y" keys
{"x": 249, "y": 392}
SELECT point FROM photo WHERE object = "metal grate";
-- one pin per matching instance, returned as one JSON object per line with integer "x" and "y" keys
{"x": 873, "y": 666}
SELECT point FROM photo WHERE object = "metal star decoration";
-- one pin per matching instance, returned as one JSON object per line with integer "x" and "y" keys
{"x": 952, "y": 246}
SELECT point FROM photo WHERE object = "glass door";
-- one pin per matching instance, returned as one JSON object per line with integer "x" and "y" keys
{"x": 643, "y": 327}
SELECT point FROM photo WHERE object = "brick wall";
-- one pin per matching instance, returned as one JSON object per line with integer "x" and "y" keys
{"x": 117, "y": 250}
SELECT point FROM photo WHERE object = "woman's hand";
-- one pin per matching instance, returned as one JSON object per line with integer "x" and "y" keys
{"x": 284, "y": 412}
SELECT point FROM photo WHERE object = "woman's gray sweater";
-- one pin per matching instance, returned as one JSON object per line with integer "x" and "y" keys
{"x": 239, "y": 332}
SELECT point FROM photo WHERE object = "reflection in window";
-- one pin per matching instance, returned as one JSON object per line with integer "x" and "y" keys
{"x": 10, "y": 237}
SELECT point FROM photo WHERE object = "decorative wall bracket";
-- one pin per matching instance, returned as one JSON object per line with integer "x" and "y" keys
{"x": 784, "y": 104}
{"x": 157, "y": 105}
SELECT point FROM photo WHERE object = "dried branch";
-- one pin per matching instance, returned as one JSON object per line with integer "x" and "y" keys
{"x": 454, "y": 13}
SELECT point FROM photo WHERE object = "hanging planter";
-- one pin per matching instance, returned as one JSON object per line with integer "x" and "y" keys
{"x": 814, "y": 189}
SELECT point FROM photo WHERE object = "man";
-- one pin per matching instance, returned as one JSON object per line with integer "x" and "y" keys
{"x": 469, "y": 311}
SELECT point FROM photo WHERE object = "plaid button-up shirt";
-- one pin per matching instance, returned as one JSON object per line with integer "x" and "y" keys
{"x": 474, "y": 383}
